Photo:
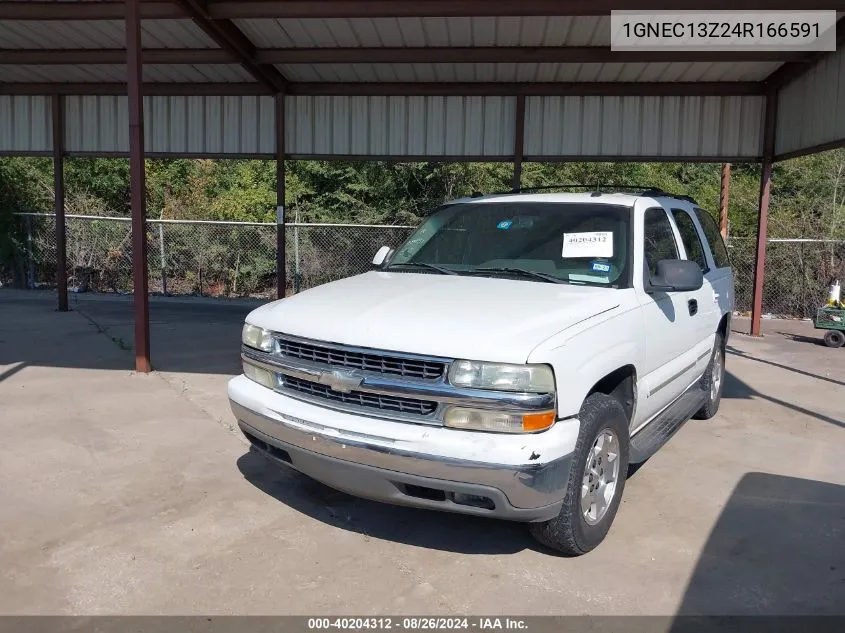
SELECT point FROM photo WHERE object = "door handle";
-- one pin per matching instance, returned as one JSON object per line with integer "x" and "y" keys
{"x": 692, "y": 304}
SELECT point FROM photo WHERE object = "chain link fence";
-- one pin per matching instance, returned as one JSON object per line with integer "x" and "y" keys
{"x": 798, "y": 273}
{"x": 190, "y": 257}
{"x": 228, "y": 259}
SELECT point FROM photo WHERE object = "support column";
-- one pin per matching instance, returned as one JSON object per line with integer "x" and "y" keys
{"x": 518, "y": 142}
{"x": 724, "y": 197}
{"x": 281, "y": 271}
{"x": 763, "y": 213}
{"x": 59, "y": 187}
{"x": 137, "y": 186}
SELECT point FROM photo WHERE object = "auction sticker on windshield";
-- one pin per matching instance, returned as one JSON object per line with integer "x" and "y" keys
{"x": 589, "y": 244}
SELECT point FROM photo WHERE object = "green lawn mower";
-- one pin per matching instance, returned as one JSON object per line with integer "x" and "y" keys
{"x": 832, "y": 318}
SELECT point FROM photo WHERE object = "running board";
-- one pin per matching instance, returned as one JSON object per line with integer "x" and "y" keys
{"x": 657, "y": 432}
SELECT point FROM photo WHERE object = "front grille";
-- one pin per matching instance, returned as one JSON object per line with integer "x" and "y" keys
{"x": 374, "y": 362}
{"x": 361, "y": 399}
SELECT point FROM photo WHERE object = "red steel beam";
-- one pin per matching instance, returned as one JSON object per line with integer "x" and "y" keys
{"x": 231, "y": 39}
{"x": 763, "y": 211}
{"x": 724, "y": 198}
{"x": 59, "y": 196}
{"x": 466, "y": 89}
{"x": 53, "y": 57}
{"x": 813, "y": 149}
{"x": 151, "y": 89}
{"x": 233, "y": 9}
{"x": 104, "y": 10}
{"x": 386, "y": 55}
{"x": 137, "y": 187}
{"x": 518, "y": 142}
{"x": 281, "y": 266}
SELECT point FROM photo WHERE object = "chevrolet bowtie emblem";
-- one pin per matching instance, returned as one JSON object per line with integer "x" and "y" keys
{"x": 342, "y": 381}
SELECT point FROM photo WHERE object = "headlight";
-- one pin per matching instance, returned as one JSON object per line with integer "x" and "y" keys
{"x": 502, "y": 377}
{"x": 260, "y": 375}
{"x": 497, "y": 421}
{"x": 257, "y": 337}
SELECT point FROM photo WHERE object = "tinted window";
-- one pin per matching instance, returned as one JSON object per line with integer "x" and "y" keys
{"x": 659, "y": 239}
{"x": 690, "y": 238}
{"x": 714, "y": 239}
{"x": 574, "y": 242}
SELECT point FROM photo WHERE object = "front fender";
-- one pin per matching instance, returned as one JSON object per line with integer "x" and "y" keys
{"x": 582, "y": 358}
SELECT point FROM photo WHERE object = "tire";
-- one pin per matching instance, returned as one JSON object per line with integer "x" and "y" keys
{"x": 834, "y": 338}
{"x": 571, "y": 532}
{"x": 715, "y": 374}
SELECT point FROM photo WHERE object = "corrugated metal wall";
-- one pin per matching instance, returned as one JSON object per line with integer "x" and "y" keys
{"x": 178, "y": 125}
{"x": 25, "y": 124}
{"x": 811, "y": 109}
{"x": 471, "y": 127}
{"x": 315, "y": 126}
{"x": 400, "y": 126}
{"x": 693, "y": 127}
{"x": 96, "y": 124}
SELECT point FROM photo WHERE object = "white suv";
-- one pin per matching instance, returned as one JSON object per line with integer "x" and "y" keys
{"x": 511, "y": 359}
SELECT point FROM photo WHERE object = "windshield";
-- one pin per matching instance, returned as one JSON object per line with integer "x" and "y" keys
{"x": 580, "y": 243}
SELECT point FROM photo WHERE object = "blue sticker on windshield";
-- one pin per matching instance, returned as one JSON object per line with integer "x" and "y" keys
{"x": 602, "y": 268}
{"x": 504, "y": 224}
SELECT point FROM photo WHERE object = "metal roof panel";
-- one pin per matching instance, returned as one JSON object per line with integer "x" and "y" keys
{"x": 528, "y": 72}
{"x": 91, "y": 34}
{"x": 54, "y": 74}
{"x": 428, "y": 31}
{"x": 213, "y": 73}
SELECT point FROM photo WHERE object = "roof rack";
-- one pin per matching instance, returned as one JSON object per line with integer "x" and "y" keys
{"x": 598, "y": 188}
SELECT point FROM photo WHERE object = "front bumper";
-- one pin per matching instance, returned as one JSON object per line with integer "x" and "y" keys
{"x": 389, "y": 472}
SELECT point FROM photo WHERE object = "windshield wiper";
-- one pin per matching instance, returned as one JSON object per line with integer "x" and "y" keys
{"x": 440, "y": 269}
{"x": 521, "y": 271}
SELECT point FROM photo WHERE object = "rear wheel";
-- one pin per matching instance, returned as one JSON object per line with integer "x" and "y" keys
{"x": 713, "y": 381}
{"x": 596, "y": 480}
{"x": 834, "y": 338}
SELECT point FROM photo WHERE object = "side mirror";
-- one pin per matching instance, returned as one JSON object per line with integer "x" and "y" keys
{"x": 382, "y": 255}
{"x": 675, "y": 275}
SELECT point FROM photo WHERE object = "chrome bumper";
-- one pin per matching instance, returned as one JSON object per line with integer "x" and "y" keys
{"x": 528, "y": 492}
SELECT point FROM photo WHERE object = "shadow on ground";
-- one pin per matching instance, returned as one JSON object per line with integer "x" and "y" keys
{"x": 411, "y": 526}
{"x": 796, "y": 370}
{"x": 185, "y": 337}
{"x": 736, "y": 388}
{"x": 802, "y": 338}
{"x": 778, "y": 548}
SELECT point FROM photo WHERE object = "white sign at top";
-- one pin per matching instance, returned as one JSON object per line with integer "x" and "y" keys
{"x": 588, "y": 244}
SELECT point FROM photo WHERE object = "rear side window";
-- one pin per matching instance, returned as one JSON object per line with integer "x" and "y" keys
{"x": 714, "y": 239}
{"x": 659, "y": 240}
{"x": 690, "y": 238}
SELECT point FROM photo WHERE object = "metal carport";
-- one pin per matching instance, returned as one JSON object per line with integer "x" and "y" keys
{"x": 485, "y": 80}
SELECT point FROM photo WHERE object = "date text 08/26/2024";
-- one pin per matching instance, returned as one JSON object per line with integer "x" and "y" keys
{"x": 416, "y": 623}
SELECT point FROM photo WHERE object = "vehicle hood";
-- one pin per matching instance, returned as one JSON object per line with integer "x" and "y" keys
{"x": 454, "y": 316}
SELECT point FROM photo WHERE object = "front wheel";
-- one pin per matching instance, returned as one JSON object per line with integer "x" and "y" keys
{"x": 596, "y": 480}
{"x": 713, "y": 381}
{"x": 834, "y": 338}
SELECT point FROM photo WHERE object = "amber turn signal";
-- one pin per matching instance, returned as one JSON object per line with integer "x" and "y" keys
{"x": 538, "y": 421}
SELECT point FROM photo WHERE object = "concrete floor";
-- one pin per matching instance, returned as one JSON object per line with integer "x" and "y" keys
{"x": 132, "y": 494}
